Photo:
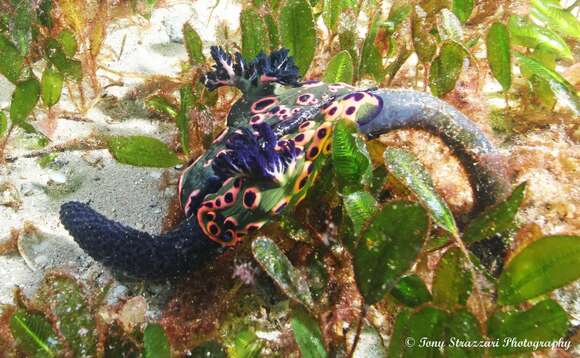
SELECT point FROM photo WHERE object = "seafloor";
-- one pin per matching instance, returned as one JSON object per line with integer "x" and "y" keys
{"x": 545, "y": 152}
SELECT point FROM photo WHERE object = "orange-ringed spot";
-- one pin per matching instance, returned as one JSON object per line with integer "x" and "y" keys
{"x": 305, "y": 126}
{"x": 253, "y": 227}
{"x": 327, "y": 148}
{"x": 230, "y": 223}
{"x": 264, "y": 104}
{"x": 255, "y": 119}
{"x": 251, "y": 198}
{"x": 312, "y": 153}
{"x": 303, "y": 138}
{"x": 213, "y": 229}
{"x": 229, "y": 236}
{"x": 280, "y": 206}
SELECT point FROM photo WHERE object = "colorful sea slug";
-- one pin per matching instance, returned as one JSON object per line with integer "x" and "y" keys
{"x": 278, "y": 136}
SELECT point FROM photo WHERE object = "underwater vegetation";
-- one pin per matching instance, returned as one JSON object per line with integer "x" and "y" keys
{"x": 341, "y": 242}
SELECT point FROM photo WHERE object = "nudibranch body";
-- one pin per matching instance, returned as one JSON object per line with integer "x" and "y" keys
{"x": 277, "y": 138}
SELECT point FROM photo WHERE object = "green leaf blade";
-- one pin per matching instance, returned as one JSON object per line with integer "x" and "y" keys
{"x": 34, "y": 334}
{"x": 411, "y": 291}
{"x": 360, "y": 206}
{"x": 3, "y": 123}
{"x": 273, "y": 32}
{"x": 307, "y": 334}
{"x": 389, "y": 247}
{"x": 349, "y": 157}
{"x": 525, "y": 33}
{"x": 51, "y": 86}
{"x": 11, "y": 61}
{"x": 446, "y": 68}
{"x": 155, "y": 342}
{"x": 161, "y": 104}
{"x": 331, "y": 13}
{"x": 371, "y": 62}
{"x": 462, "y": 9}
{"x": 339, "y": 68}
{"x": 142, "y": 151}
{"x": 411, "y": 173}
{"x": 563, "y": 90}
{"x": 68, "y": 42}
{"x": 449, "y": 26}
{"x": 298, "y": 32}
{"x": 193, "y": 45}
{"x": 546, "y": 321}
{"x": 461, "y": 327}
{"x": 544, "y": 265}
{"x": 426, "y": 324}
{"x": 65, "y": 299}
{"x": 187, "y": 102}
{"x": 424, "y": 43}
{"x": 281, "y": 270}
{"x": 559, "y": 19}
{"x": 495, "y": 220}
{"x": 452, "y": 283}
{"x": 254, "y": 33}
{"x": 499, "y": 54}
{"x": 24, "y": 99}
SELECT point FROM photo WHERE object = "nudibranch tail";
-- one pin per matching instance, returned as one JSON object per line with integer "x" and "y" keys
{"x": 416, "y": 110}
{"x": 134, "y": 252}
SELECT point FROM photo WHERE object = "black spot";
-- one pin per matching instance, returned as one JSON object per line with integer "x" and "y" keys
{"x": 228, "y": 236}
{"x": 208, "y": 205}
{"x": 302, "y": 182}
{"x": 218, "y": 202}
{"x": 310, "y": 168}
{"x": 260, "y": 105}
{"x": 275, "y": 109}
{"x": 249, "y": 198}
{"x": 358, "y": 96}
{"x": 303, "y": 98}
{"x": 321, "y": 133}
{"x": 350, "y": 110}
{"x": 213, "y": 229}
{"x": 229, "y": 197}
{"x": 304, "y": 125}
{"x": 229, "y": 224}
{"x": 299, "y": 137}
{"x": 252, "y": 228}
{"x": 326, "y": 105}
{"x": 332, "y": 111}
{"x": 313, "y": 151}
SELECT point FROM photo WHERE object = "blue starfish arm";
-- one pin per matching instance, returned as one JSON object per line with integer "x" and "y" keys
{"x": 134, "y": 252}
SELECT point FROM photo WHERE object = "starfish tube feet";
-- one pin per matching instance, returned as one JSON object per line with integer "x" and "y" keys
{"x": 134, "y": 252}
